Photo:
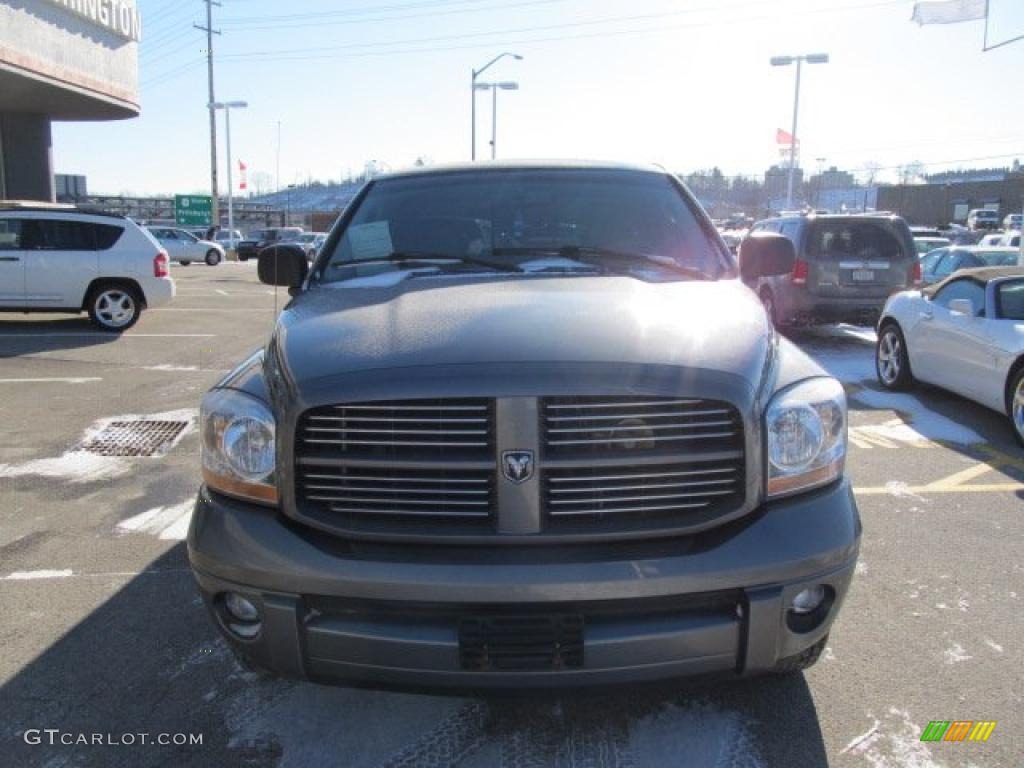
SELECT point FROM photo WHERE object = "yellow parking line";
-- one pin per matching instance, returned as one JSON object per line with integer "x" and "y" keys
{"x": 942, "y": 488}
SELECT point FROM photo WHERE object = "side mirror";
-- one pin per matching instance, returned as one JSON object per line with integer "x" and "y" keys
{"x": 962, "y": 307}
{"x": 763, "y": 254}
{"x": 283, "y": 265}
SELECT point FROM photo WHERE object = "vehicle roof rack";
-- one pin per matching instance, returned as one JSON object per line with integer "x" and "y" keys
{"x": 45, "y": 207}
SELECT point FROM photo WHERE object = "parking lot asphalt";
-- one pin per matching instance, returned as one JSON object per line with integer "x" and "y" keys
{"x": 103, "y": 632}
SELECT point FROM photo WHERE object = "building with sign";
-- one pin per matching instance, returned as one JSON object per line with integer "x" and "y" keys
{"x": 60, "y": 60}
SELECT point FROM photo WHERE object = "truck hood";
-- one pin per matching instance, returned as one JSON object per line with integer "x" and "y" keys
{"x": 482, "y": 320}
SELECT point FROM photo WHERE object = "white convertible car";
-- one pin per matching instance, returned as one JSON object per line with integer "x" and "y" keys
{"x": 965, "y": 334}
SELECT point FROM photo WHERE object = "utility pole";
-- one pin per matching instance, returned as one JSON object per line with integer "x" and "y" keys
{"x": 210, "y": 32}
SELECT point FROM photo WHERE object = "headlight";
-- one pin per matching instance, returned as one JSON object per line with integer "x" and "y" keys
{"x": 238, "y": 446}
{"x": 806, "y": 428}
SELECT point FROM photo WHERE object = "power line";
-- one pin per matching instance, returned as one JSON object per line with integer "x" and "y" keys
{"x": 251, "y": 26}
{"x": 305, "y": 54}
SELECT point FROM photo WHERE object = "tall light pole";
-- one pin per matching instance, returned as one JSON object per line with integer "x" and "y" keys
{"x": 494, "y": 88}
{"x": 785, "y": 61}
{"x": 210, "y": 32}
{"x": 473, "y": 90}
{"x": 227, "y": 106}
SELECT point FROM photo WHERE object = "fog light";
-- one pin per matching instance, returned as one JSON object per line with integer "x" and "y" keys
{"x": 241, "y": 608}
{"x": 809, "y": 599}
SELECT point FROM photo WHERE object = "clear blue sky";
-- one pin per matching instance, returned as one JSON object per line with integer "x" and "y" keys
{"x": 684, "y": 83}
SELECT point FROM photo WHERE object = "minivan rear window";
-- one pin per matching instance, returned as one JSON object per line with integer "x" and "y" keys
{"x": 834, "y": 240}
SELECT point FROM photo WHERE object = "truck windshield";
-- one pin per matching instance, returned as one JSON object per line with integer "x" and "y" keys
{"x": 528, "y": 218}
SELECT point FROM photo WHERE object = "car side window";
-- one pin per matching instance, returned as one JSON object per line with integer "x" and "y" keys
{"x": 10, "y": 234}
{"x": 58, "y": 235}
{"x": 949, "y": 263}
{"x": 962, "y": 289}
{"x": 931, "y": 261}
{"x": 1010, "y": 300}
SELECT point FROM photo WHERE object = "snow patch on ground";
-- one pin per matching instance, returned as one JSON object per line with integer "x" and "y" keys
{"x": 921, "y": 425}
{"x": 893, "y": 743}
{"x": 32, "y": 575}
{"x": 993, "y": 645}
{"x": 167, "y": 523}
{"x": 169, "y": 367}
{"x": 901, "y": 490}
{"x": 861, "y": 567}
{"x": 956, "y": 654}
{"x": 78, "y": 466}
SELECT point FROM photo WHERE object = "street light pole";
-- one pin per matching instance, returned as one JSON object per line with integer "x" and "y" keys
{"x": 494, "y": 121}
{"x": 473, "y": 90}
{"x": 785, "y": 61}
{"x": 792, "y": 145}
{"x": 227, "y": 106}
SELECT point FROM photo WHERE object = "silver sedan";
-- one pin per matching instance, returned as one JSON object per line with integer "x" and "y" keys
{"x": 184, "y": 247}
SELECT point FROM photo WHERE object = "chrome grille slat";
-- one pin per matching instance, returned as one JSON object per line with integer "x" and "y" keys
{"x": 643, "y": 486}
{"x": 391, "y": 431}
{"x": 611, "y": 500}
{"x": 414, "y": 408}
{"x": 391, "y": 479}
{"x": 681, "y": 473}
{"x": 419, "y": 491}
{"x": 407, "y": 512}
{"x": 643, "y": 439}
{"x": 618, "y": 510}
{"x": 414, "y": 502}
{"x": 399, "y": 443}
{"x": 689, "y": 425}
{"x": 399, "y": 420}
{"x": 610, "y": 417}
{"x": 624, "y": 403}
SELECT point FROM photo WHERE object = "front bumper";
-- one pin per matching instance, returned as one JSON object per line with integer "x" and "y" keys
{"x": 338, "y": 614}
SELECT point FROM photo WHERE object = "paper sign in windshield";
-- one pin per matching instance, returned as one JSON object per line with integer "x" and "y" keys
{"x": 370, "y": 241}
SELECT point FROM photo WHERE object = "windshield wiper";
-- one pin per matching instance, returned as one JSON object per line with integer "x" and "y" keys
{"x": 605, "y": 258}
{"x": 429, "y": 258}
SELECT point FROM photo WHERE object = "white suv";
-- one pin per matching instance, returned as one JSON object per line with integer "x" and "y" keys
{"x": 61, "y": 259}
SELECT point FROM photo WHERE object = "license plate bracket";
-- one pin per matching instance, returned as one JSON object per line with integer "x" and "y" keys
{"x": 515, "y": 643}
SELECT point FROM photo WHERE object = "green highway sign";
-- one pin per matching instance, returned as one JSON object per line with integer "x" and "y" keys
{"x": 192, "y": 210}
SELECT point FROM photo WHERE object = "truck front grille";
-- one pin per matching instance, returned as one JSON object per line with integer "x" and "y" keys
{"x": 632, "y": 425}
{"x": 428, "y": 470}
{"x": 401, "y": 428}
{"x": 654, "y": 490}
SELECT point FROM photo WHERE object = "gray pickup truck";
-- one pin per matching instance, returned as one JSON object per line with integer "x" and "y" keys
{"x": 523, "y": 425}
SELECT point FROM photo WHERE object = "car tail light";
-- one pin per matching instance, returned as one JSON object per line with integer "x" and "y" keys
{"x": 800, "y": 272}
{"x": 914, "y": 275}
{"x": 160, "y": 265}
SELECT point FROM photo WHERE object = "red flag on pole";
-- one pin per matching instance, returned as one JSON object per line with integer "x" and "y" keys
{"x": 242, "y": 183}
{"x": 783, "y": 137}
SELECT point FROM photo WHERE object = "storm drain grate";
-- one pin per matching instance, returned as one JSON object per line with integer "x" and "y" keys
{"x": 139, "y": 437}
